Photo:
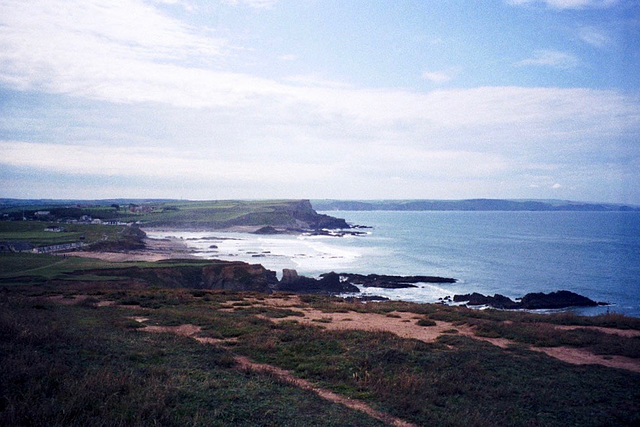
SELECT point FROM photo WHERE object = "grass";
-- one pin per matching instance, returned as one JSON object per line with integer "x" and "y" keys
{"x": 33, "y": 232}
{"x": 77, "y": 364}
{"x": 80, "y": 366}
{"x": 541, "y": 331}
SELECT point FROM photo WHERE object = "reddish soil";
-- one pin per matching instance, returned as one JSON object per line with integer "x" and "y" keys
{"x": 404, "y": 325}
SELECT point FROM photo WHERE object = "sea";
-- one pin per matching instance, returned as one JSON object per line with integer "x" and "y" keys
{"x": 595, "y": 254}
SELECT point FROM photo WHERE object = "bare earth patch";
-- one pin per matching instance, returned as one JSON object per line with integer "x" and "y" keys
{"x": 404, "y": 325}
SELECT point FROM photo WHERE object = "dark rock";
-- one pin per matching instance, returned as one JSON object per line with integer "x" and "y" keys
{"x": 391, "y": 282}
{"x": 531, "y": 301}
{"x": 496, "y": 301}
{"x": 560, "y": 299}
{"x": 367, "y": 298}
{"x": 238, "y": 276}
{"x": 328, "y": 283}
{"x": 266, "y": 230}
{"x": 306, "y": 216}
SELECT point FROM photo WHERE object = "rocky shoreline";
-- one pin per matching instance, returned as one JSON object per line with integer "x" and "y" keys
{"x": 531, "y": 301}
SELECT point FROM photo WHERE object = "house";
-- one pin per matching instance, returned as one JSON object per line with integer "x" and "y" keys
{"x": 54, "y": 228}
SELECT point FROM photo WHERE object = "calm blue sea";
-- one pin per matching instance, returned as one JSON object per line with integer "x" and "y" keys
{"x": 596, "y": 254}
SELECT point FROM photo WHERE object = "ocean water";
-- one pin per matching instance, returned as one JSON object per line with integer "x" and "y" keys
{"x": 596, "y": 254}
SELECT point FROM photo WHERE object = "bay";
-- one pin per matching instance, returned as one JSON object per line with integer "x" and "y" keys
{"x": 596, "y": 254}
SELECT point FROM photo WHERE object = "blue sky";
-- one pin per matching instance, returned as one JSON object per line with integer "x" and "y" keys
{"x": 320, "y": 99}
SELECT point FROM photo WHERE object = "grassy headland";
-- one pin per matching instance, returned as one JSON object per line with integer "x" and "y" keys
{"x": 216, "y": 214}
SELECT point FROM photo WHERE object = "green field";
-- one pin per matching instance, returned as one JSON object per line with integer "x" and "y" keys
{"x": 214, "y": 214}
{"x": 34, "y": 233}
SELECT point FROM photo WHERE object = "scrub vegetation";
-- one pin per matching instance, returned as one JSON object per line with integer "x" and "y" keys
{"x": 78, "y": 353}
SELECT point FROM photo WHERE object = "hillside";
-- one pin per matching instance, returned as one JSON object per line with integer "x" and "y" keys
{"x": 283, "y": 215}
{"x": 94, "y": 352}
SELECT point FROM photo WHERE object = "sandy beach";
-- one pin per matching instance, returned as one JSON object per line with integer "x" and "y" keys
{"x": 155, "y": 250}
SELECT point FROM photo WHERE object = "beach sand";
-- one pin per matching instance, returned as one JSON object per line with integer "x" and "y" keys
{"x": 155, "y": 250}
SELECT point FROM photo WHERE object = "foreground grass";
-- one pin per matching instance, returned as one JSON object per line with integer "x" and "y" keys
{"x": 81, "y": 365}
{"x": 77, "y": 365}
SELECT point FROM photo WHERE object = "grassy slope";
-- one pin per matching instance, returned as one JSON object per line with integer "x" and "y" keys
{"x": 77, "y": 364}
{"x": 218, "y": 213}
{"x": 80, "y": 365}
{"x": 33, "y": 232}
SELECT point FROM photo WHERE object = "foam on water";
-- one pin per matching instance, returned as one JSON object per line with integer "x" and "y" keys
{"x": 423, "y": 292}
{"x": 309, "y": 255}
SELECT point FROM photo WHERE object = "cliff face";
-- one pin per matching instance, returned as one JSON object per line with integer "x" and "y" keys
{"x": 238, "y": 276}
{"x": 307, "y": 217}
{"x": 228, "y": 275}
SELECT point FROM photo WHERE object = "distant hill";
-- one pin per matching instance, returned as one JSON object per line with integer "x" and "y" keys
{"x": 285, "y": 215}
{"x": 466, "y": 205}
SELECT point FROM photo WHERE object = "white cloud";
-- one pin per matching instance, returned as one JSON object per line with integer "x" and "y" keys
{"x": 437, "y": 77}
{"x": 569, "y": 4}
{"x": 256, "y": 4}
{"x": 80, "y": 45}
{"x": 88, "y": 160}
{"x": 594, "y": 37}
{"x": 550, "y": 58}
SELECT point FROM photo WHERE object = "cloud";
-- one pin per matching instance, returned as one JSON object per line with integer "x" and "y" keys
{"x": 437, "y": 77}
{"x": 256, "y": 4}
{"x": 550, "y": 58}
{"x": 76, "y": 46}
{"x": 594, "y": 37}
{"x": 569, "y": 4}
{"x": 150, "y": 162}
{"x": 139, "y": 95}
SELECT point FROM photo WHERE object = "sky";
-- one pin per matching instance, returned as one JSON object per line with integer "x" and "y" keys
{"x": 261, "y": 99}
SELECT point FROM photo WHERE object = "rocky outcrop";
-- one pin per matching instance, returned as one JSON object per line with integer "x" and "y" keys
{"x": 496, "y": 301}
{"x": 267, "y": 229}
{"x": 228, "y": 275}
{"x": 391, "y": 282}
{"x": 308, "y": 218}
{"x": 560, "y": 299}
{"x": 328, "y": 283}
{"x": 238, "y": 276}
{"x": 531, "y": 301}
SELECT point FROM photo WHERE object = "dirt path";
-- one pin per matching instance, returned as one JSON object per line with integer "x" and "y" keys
{"x": 245, "y": 363}
{"x": 404, "y": 325}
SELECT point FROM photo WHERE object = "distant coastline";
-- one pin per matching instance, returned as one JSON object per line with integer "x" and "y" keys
{"x": 469, "y": 205}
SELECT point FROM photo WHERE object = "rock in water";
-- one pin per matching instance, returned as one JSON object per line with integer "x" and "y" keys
{"x": 328, "y": 283}
{"x": 531, "y": 301}
{"x": 559, "y": 299}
